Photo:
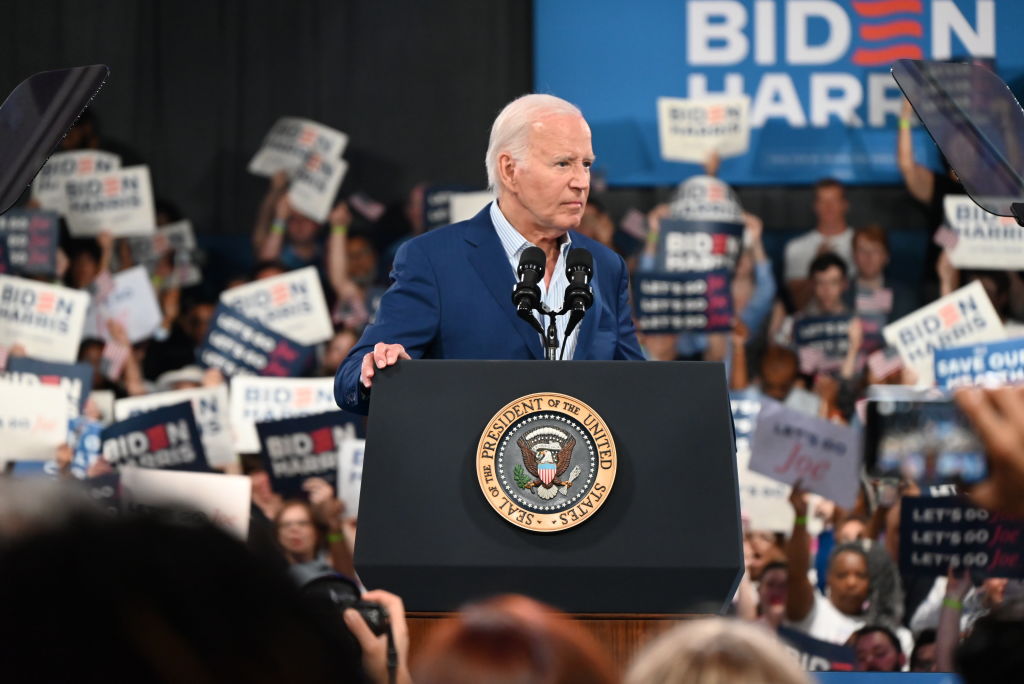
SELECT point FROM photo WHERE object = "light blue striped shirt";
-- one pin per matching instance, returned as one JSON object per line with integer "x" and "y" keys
{"x": 552, "y": 295}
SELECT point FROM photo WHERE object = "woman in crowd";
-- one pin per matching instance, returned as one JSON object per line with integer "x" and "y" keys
{"x": 311, "y": 534}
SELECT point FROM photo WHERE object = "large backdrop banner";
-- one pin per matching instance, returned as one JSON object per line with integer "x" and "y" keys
{"x": 822, "y": 100}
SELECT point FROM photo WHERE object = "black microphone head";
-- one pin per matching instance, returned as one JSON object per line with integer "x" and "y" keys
{"x": 531, "y": 262}
{"x": 579, "y": 261}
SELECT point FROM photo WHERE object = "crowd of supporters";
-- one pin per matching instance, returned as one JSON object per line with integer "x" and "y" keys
{"x": 833, "y": 576}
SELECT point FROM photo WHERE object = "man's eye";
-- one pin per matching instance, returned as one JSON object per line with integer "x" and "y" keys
{"x": 587, "y": 164}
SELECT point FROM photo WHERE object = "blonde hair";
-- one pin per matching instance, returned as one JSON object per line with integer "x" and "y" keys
{"x": 716, "y": 651}
{"x": 511, "y": 130}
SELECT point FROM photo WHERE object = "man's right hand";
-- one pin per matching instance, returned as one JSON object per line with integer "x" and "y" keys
{"x": 383, "y": 355}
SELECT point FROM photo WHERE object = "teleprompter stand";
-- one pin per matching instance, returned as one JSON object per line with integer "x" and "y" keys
{"x": 666, "y": 543}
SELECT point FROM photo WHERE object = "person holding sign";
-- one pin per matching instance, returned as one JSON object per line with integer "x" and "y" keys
{"x": 451, "y": 292}
{"x": 875, "y": 299}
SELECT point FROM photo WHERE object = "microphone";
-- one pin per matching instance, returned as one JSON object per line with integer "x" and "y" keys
{"x": 526, "y": 294}
{"x": 579, "y": 296}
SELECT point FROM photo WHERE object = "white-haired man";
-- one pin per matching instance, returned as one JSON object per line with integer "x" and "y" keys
{"x": 451, "y": 291}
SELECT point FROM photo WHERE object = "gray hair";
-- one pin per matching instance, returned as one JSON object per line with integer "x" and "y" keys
{"x": 511, "y": 129}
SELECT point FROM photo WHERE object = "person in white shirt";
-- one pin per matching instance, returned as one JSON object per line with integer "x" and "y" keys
{"x": 831, "y": 234}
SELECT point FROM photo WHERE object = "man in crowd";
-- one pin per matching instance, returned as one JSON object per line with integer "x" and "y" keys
{"x": 451, "y": 296}
{"x": 831, "y": 234}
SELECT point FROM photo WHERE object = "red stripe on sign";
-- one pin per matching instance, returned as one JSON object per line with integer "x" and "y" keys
{"x": 892, "y": 29}
{"x": 868, "y": 57}
{"x": 85, "y": 166}
{"x": 303, "y": 396}
{"x": 887, "y": 7}
{"x": 279, "y": 294}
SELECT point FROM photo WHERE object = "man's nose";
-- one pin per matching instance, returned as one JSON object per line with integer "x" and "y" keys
{"x": 580, "y": 178}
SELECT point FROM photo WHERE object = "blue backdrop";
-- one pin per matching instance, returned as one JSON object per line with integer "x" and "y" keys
{"x": 822, "y": 100}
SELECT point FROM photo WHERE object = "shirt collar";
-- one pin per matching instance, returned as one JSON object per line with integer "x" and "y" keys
{"x": 512, "y": 240}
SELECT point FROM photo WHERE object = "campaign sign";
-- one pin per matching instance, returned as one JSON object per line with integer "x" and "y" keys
{"x": 177, "y": 236}
{"x": 48, "y": 186}
{"x": 983, "y": 240}
{"x": 238, "y": 345}
{"x": 223, "y": 500}
{"x": 965, "y": 316}
{"x": 872, "y": 307}
{"x": 993, "y": 364}
{"x": 315, "y": 184}
{"x": 437, "y": 204}
{"x": 31, "y": 236}
{"x": 120, "y": 202}
{"x": 290, "y": 140}
{"x": 705, "y": 198}
{"x": 789, "y": 445}
{"x": 131, "y": 301}
{"x": 45, "y": 319}
{"x": 938, "y": 532}
{"x": 677, "y": 302}
{"x": 463, "y": 206}
{"x": 295, "y": 449}
{"x": 350, "y": 474}
{"x": 822, "y": 342}
{"x": 257, "y": 400}
{"x": 815, "y": 655}
{"x": 822, "y": 100}
{"x": 210, "y": 408}
{"x": 103, "y": 400}
{"x": 691, "y": 130}
{"x": 764, "y": 502}
{"x": 688, "y": 245}
{"x": 74, "y": 379}
{"x": 292, "y": 304}
{"x": 33, "y": 421}
{"x": 165, "y": 438}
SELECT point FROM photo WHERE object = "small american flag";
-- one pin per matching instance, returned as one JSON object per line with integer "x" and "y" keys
{"x": 634, "y": 223}
{"x": 115, "y": 355}
{"x": 874, "y": 301}
{"x": 884, "y": 363}
{"x": 367, "y": 206}
{"x": 944, "y": 237}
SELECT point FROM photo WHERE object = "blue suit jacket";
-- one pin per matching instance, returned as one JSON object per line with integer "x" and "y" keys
{"x": 452, "y": 299}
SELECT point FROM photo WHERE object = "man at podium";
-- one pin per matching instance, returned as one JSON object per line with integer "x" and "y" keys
{"x": 451, "y": 296}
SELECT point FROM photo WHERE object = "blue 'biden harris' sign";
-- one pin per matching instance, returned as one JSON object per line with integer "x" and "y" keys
{"x": 822, "y": 101}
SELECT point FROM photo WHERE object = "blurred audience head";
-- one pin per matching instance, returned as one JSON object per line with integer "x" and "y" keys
{"x": 922, "y": 658}
{"x": 828, "y": 282}
{"x": 997, "y": 287}
{"x": 597, "y": 223}
{"x": 511, "y": 640}
{"x": 267, "y": 269}
{"x": 992, "y": 652}
{"x": 196, "y": 320}
{"x": 870, "y": 252}
{"x": 716, "y": 651}
{"x": 779, "y": 372}
{"x": 146, "y": 599}
{"x": 337, "y": 349}
{"x": 761, "y": 548}
{"x": 361, "y": 259}
{"x": 773, "y": 591}
{"x": 830, "y": 204}
{"x": 877, "y": 649}
{"x": 298, "y": 532}
{"x": 847, "y": 580}
{"x": 852, "y": 529}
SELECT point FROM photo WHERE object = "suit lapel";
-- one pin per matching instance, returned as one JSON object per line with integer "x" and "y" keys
{"x": 488, "y": 258}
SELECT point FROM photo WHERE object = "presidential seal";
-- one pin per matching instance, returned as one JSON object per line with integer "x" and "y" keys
{"x": 546, "y": 462}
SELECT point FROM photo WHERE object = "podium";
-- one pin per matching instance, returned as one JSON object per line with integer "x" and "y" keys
{"x": 665, "y": 540}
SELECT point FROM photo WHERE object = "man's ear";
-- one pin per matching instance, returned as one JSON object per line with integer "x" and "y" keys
{"x": 507, "y": 170}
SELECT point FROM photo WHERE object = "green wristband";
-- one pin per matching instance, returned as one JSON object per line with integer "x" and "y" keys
{"x": 339, "y": 230}
{"x": 800, "y": 520}
{"x": 904, "y": 124}
{"x": 335, "y": 537}
{"x": 277, "y": 227}
{"x": 950, "y": 602}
